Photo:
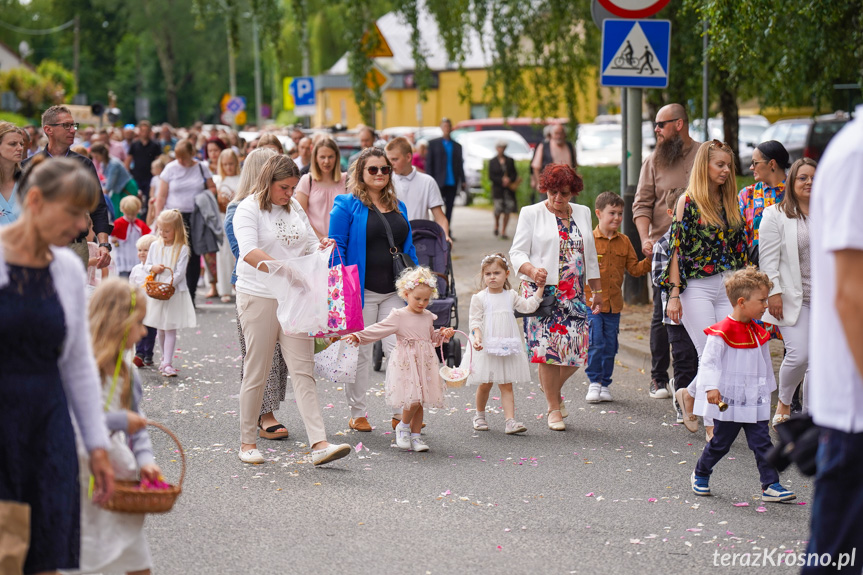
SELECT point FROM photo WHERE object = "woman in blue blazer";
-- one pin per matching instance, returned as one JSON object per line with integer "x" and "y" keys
{"x": 361, "y": 239}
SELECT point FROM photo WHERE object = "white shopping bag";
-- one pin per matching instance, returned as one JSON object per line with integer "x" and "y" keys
{"x": 299, "y": 285}
{"x": 338, "y": 362}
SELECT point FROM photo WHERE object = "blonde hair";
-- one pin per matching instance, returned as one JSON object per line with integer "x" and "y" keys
{"x": 173, "y": 219}
{"x": 251, "y": 169}
{"x": 144, "y": 242}
{"x": 115, "y": 308}
{"x": 225, "y": 154}
{"x": 130, "y": 204}
{"x": 495, "y": 258}
{"x": 743, "y": 282}
{"x": 699, "y": 189}
{"x": 411, "y": 278}
{"x": 401, "y": 145}
{"x": 279, "y": 167}
{"x": 358, "y": 187}
{"x": 7, "y": 128}
{"x": 271, "y": 140}
{"x": 315, "y": 169}
{"x": 185, "y": 148}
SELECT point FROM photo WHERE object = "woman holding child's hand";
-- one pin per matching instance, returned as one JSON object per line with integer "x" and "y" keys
{"x": 553, "y": 250}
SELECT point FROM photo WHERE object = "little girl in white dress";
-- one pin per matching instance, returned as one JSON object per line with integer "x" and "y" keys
{"x": 499, "y": 356}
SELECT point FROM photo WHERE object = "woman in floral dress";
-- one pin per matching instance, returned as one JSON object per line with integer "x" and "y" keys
{"x": 554, "y": 241}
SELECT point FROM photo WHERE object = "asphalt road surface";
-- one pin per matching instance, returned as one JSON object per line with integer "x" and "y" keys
{"x": 609, "y": 495}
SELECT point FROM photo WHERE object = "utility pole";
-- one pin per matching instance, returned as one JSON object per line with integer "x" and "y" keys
{"x": 705, "y": 92}
{"x": 77, "y": 49}
{"x": 257, "y": 56}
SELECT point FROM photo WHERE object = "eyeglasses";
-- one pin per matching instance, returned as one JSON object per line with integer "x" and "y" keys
{"x": 559, "y": 193}
{"x": 385, "y": 170}
{"x": 661, "y": 125}
{"x": 67, "y": 127}
{"x": 804, "y": 179}
{"x": 756, "y": 162}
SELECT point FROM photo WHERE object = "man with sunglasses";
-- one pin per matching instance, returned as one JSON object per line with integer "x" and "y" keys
{"x": 60, "y": 129}
{"x": 667, "y": 168}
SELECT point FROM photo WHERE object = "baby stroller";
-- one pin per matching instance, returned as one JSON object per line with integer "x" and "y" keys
{"x": 433, "y": 251}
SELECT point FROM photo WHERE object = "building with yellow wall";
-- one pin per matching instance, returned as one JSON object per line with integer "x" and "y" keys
{"x": 335, "y": 100}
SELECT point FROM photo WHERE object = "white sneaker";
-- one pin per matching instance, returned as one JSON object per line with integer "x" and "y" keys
{"x": 251, "y": 456}
{"x": 593, "y": 393}
{"x": 605, "y": 394}
{"x": 417, "y": 444}
{"x": 403, "y": 436}
{"x": 331, "y": 453}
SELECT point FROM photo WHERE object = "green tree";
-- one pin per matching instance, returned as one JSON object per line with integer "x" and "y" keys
{"x": 60, "y": 76}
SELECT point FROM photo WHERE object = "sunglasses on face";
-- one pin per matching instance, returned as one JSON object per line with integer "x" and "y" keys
{"x": 385, "y": 170}
{"x": 660, "y": 125}
{"x": 559, "y": 193}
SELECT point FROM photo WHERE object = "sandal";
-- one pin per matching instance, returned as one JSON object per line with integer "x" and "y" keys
{"x": 479, "y": 422}
{"x": 689, "y": 420}
{"x": 780, "y": 418}
{"x": 272, "y": 432}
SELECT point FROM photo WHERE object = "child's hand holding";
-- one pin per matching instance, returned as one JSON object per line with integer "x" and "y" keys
{"x": 714, "y": 397}
{"x": 352, "y": 339}
{"x": 477, "y": 339}
{"x": 447, "y": 333}
{"x": 150, "y": 472}
{"x": 135, "y": 422}
{"x": 157, "y": 269}
{"x": 540, "y": 281}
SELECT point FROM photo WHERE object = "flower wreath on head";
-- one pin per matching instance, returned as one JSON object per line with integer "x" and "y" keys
{"x": 492, "y": 257}
{"x": 410, "y": 285}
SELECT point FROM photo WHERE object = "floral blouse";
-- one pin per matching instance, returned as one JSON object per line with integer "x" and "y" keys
{"x": 703, "y": 250}
{"x": 752, "y": 200}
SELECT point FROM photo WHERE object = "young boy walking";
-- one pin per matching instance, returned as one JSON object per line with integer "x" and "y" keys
{"x": 616, "y": 256}
{"x": 734, "y": 383}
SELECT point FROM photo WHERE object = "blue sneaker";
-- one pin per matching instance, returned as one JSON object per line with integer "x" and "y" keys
{"x": 700, "y": 485}
{"x": 776, "y": 493}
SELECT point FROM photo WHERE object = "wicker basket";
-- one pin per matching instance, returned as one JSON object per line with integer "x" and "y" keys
{"x": 457, "y": 376}
{"x": 128, "y": 497}
{"x": 159, "y": 290}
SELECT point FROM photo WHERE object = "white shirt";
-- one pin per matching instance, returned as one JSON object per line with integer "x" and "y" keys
{"x": 138, "y": 276}
{"x": 126, "y": 253}
{"x": 281, "y": 234}
{"x": 419, "y": 192}
{"x": 837, "y": 194}
{"x": 184, "y": 184}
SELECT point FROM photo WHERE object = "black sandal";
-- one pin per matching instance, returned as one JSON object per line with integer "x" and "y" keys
{"x": 272, "y": 432}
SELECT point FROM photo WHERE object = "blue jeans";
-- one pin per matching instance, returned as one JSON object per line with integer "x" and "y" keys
{"x": 837, "y": 506}
{"x": 602, "y": 347}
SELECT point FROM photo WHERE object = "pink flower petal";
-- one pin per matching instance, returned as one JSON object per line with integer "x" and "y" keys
{"x": 761, "y": 510}
{"x": 589, "y": 494}
{"x": 744, "y": 504}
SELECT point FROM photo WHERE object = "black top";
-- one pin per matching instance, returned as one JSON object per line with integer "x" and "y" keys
{"x": 101, "y": 221}
{"x": 436, "y": 162}
{"x": 143, "y": 156}
{"x": 496, "y": 172}
{"x": 379, "y": 262}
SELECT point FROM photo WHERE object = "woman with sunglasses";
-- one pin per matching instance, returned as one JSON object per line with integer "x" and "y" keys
{"x": 785, "y": 259}
{"x": 357, "y": 225}
{"x": 708, "y": 239}
{"x": 554, "y": 242}
{"x": 769, "y": 162}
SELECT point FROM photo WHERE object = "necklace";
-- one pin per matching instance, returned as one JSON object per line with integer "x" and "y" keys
{"x": 563, "y": 216}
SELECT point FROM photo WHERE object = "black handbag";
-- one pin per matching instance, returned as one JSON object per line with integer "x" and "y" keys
{"x": 544, "y": 309}
{"x": 401, "y": 261}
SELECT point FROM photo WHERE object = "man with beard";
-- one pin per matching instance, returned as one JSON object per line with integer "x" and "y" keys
{"x": 668, "y": 167}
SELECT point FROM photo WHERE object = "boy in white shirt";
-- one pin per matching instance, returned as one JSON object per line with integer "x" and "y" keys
{"x": 418, "y": 191}
{"x": 137, "y": 277}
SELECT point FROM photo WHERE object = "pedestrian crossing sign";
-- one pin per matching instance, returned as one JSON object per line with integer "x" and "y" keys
{"x": 635, "y": 53}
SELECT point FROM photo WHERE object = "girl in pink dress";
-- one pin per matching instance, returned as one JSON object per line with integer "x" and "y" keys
{"x": 413, "y": 381}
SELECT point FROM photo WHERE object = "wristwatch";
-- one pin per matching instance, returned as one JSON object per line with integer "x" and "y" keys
{"x": 105, "y": 245}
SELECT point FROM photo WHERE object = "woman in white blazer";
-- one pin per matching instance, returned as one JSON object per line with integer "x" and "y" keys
{"x": 784, "y": 247}
{"x": 554, "y": 241}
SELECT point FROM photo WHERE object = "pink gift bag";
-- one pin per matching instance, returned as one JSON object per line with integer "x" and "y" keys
{"x": 345, "y": 307}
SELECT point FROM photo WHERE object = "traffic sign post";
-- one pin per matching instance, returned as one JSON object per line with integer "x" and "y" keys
{"x": 299, "y": 95}
{"x": 635, "y": 53}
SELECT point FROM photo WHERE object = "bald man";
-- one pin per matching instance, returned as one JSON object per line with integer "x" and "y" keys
{"x": 668, "y": 167}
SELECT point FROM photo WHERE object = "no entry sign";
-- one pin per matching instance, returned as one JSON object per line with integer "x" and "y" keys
{"x": 633, "y": 8}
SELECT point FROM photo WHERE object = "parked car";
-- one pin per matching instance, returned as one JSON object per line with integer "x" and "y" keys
{"x": 806, "y": 137}
{"x": 529, "y": 128}
{"x": 749, "y": 135}
{"x": 602, "y": 144}
{"x": 477, "y": 147}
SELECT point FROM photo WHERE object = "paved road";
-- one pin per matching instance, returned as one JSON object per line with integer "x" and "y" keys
{"x": 611, "y": 494}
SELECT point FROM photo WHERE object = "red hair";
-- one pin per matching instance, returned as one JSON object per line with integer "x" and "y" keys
{"x": 560, "y": 177}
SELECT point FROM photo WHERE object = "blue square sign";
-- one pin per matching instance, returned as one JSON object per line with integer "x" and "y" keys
{"x": 635, "y": 53}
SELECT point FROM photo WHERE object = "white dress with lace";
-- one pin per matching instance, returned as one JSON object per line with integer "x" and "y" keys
{"x": 502, "y": 358}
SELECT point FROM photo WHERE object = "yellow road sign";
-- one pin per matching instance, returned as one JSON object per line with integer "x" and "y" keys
{"x": 382, "y": 49}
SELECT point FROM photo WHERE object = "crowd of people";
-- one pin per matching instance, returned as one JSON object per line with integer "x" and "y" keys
{"x": 732, "y": 269}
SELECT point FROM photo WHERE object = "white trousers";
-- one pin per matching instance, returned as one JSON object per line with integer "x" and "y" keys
{"x": 795, "y": 366}
{"x": 376, "y": 307}
{"x": 704, "y": 302}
